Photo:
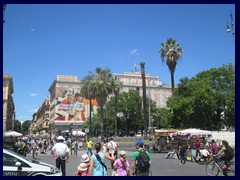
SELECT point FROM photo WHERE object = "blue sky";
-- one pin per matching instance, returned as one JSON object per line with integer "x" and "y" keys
{"x": 43, "y": 41}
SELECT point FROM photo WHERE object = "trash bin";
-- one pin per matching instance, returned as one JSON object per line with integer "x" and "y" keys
{"x": 146, "y": 147}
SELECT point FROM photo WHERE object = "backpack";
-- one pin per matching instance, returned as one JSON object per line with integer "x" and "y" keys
{"x": 143, "y": 159}
{"x": 229, "y": 153}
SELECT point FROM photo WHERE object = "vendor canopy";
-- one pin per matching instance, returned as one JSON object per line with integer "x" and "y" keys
{"x": 192, "y": 132}
{"x": 12, "y": 133}
{"x": 78, "y": 133}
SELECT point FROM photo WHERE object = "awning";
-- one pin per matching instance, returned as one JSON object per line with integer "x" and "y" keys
{"x": 78, "y": 133}
{"x": 12, "y": 133}
{"x": 192, "y": 132}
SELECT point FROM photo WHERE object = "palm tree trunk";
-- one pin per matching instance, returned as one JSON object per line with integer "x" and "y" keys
{"x": 102, "y": 125}
{"x": 172, "y": 80}
{"x": 90, "y": 118}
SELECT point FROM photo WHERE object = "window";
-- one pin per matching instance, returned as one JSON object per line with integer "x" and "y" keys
{"x": 9, "y": 160}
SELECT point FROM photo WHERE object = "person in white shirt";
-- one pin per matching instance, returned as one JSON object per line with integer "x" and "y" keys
{"x": 113, "y": 146}
{"x": 60, "y": 151}
{"x": 205, "y": 153}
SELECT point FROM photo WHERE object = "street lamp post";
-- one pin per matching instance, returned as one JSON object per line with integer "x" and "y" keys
{"x": 4, "y": 7}
{"x": 232, "y": 27}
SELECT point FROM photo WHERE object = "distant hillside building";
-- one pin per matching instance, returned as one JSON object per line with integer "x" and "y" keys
{"x": 8, "y": 103}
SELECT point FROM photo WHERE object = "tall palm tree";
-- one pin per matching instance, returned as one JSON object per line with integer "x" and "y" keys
{"x": 116, "y": 86}
{"x": 87, "y": 91}
{"x": 102, "y": 88}
{"x": 171, "y": 53}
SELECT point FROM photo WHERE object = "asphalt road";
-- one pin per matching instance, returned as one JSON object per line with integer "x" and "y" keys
{"x": 159, "y": 165}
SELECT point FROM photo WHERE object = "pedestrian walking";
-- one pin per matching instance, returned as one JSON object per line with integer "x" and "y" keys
{"x": 61, "y": 154}
{"x": 97, "y": 163}
{"x": 89, "y": 146}
{"x": 34, "y": 146}
{"x": 182, "y": 153}
{"x": 121, "y": 165}
{"x": 141, "y": 160}
{"x": 45, "y": 146}
{"x": 114, "y": 146}
{"x": 197, "y": 148}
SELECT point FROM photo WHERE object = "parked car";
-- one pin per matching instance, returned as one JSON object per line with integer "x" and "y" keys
{"x": 17, "y": 165}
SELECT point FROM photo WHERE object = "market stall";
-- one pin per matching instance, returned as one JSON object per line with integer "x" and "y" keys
{"x": 189, "y": 136}
{"x": 162, "y": 140}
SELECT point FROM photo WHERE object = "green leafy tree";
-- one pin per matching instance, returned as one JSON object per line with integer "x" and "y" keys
{"x": 170, "y": 53}
{"x": 102, "y": 88}
{"x": 205, "y": 101}
{"x": 130, "y": 104}
{"x": 17, "y": 126}
{"x": 25, "y": 127}
{"x": 87, "y": 91}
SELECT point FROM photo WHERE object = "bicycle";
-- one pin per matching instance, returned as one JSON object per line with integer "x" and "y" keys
{"x": 214, "y": 167}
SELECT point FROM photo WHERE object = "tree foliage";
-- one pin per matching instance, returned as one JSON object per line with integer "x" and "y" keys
{"x": 206, "y": 101}
{"x": 17, "y": 126}
{"x": 25, "y": 127}
{"x": 170, "y": 53}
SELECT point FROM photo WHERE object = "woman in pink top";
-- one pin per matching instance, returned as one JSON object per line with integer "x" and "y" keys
{"x": 122, "y": 165}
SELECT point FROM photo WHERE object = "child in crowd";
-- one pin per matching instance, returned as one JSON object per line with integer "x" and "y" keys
{"x": 82, "y": 170}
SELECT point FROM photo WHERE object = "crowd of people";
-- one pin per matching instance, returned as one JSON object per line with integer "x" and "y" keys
{"x": 94, "y": 163}
{"x": 94, "y": 160}
{"x": 210, "y": 150}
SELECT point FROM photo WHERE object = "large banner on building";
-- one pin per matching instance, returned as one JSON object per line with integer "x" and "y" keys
{"x": 70, "y": 106}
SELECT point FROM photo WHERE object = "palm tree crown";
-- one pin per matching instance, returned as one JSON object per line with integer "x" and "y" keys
{"x": 171, "y": 53}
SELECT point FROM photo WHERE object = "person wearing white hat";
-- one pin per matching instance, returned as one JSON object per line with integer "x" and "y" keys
{"x": 82, "y": 170}
{"x": 122, "y": 165}
{"x": 61, "y": 153}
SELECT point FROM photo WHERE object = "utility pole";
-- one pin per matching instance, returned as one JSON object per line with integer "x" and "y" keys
{"x": 145, "y": 120}
{"x": 232, "y": 27}
{"x": 4, "y": 7}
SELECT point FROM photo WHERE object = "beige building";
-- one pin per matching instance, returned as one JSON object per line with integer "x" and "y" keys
{"x": 155, "y": 89}
{"x": 67, "y": 107}
{"x": 8, "y": 104}
{"x": 40, "y": 121}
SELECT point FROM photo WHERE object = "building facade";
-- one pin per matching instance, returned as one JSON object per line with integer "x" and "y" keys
{"x": 155, "y": 89}
{"x": 67, "y": 107}
{"x": 8, "y": 103}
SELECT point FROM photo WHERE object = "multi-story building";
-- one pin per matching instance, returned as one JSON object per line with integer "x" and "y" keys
{"x": 40, "y": 121}
{"x": 33, "y": 126}
{"x": 8, "y": 103}
{"x": 155, "y": 89}
{"x": 67, "y": 107}
{"x": 43, "y": 117}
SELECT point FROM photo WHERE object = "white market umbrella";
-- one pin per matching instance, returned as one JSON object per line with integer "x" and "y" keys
{"x": 78, "y": 133}
{"x": 12, "y": 133}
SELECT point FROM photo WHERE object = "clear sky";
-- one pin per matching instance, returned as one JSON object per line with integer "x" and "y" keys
{"x": 43, "y": 41}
